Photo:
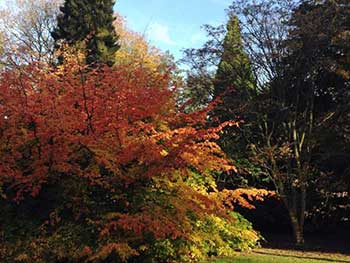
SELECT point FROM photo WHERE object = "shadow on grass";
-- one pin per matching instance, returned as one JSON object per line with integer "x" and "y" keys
{"x": 314, "y": 243}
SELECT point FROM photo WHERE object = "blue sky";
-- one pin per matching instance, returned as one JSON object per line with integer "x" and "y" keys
{"x": 172, "y": 24}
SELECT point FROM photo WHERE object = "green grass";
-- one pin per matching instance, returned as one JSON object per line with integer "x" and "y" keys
{"x": 257, "y": 258}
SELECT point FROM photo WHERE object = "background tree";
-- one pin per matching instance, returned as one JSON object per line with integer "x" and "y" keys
{"x": 264, "y": 26}
{"x": 26, "y": 31}
{"x": 203, "y": 62}
{"x": 300, "y": 60}
{"x": 2, "y": 44}
{"x": 235, "y": 85}
{"x": 89, "y": 25}
{"x": 234, "y": 70}
{"x": 294, "y": 114}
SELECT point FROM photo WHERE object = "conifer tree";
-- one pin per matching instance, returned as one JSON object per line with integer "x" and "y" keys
{"x": 235, "y": 84}
{"x": 234, "y": 79}
{"x": 89, "y": 22}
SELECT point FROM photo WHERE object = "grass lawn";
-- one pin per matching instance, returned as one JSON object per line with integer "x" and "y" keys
{"x": 280, "y": 256}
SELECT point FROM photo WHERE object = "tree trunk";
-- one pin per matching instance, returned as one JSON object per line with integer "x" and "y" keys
{"x": 295, "y": 203}
{"x": 298, "y": 227}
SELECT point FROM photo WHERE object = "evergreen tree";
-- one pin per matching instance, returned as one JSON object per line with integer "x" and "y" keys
{"x": 89, "y": 22}
{"x": 235, "y": 84}
{"x": 234, "y": 79}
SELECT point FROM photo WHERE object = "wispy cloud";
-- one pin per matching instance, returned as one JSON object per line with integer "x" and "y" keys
{"x": 159, "y": 33}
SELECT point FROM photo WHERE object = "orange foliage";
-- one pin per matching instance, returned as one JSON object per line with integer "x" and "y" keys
{"x": 115, "y": 131}
{"x": 49, "y": 120}
{"x": 243, "y": 197}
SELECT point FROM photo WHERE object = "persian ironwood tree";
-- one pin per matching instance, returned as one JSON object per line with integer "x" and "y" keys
{"x": 99, "y": 166}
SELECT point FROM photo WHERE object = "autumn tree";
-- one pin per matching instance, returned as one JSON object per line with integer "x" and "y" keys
{"x": 99, "y": 165}
{"x": 89, "y": 25}
{"x": 135, "y": 50}
{"x": 26, "y": 31}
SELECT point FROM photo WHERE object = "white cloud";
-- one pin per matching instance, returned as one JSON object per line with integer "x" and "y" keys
{"x": 159, "y": 33}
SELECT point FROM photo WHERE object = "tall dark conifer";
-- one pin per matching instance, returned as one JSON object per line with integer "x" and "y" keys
{"x": 88, "y": 24}
{"x": 234, "y": 79}
{"x": 235, "y": 84}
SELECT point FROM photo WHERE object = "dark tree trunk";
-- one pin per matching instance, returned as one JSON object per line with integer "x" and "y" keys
{"x": 298, "y": 228}
{"x": 296, "y": 205}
